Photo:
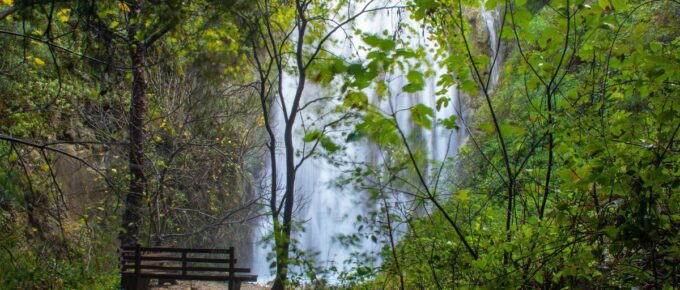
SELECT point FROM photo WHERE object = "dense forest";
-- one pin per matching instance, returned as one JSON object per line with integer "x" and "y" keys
{"x": 346, "y": 144}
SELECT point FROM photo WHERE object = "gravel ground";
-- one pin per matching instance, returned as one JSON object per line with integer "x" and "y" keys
{"x": 200, "y": 285}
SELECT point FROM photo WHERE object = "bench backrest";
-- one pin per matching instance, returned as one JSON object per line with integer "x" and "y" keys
{"x": 179, "y": 263}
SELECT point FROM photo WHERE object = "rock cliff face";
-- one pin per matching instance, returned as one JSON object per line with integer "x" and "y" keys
{"x": 81, "y": 185}
{"x": 485, "y": 32}
{"x": 480, "y": 31}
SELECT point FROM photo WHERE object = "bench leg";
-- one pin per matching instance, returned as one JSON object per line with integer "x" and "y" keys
{"x": 128, "y": 282}
{"x": 131, "y": 282}
{"x": 143, "y": 283}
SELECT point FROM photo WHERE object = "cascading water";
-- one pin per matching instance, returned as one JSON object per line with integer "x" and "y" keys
{"x": 492, "y": 20}
{"x": 329, "y": 211}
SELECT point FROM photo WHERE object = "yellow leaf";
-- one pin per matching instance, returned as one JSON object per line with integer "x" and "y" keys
{"x": 463, "y": 195}
{"x": 63, "y": 14}
{"x": 7, "y": 2}
{"x": 45, "y": 167}
{"x": 124, "y": 7}
{"x": 38, "y": 61}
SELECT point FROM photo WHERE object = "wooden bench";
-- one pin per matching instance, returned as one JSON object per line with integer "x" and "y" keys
{"x": 140, "y": 264}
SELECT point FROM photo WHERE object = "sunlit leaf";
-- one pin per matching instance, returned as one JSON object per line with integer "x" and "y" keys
{"x": 38, "y": 61}
{"x": 123, "y": 6}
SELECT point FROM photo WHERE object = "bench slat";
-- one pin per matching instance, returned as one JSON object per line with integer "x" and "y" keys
{"x": 195, "y": 260}
{"x": 189, "y": 269}
{"x": 178, "y": 250}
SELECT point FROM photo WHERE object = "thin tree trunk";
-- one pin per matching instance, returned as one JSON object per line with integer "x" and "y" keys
{"x": 393, "y": 248}
{"x": 283, "y": 244}
{"x": 264, "y": 102}
{"x": 283, "y": 239}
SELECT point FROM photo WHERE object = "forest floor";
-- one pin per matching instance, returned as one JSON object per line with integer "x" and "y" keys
{"x": 202, "y": 285}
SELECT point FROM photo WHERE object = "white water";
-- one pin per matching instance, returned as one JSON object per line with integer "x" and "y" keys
{"x": 492, "y": 20}
{"x": 329, "y": 211}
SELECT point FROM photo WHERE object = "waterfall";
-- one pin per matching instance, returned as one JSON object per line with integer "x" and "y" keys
{"x": 330, "y": 211}
{"x": 492, "y": 20}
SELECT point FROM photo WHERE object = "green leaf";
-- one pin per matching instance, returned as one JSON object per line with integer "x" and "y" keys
{"x": 353, "y": 136}
{"x": 355, "y": 69}
{"x": 356, "y": 99}
{"x": 450, "y": 122}
{"x": 406, "y": 53}
{"x": 539, "y": 277}
{"x": 446, "y": 80}
{"x": 421, "y": 115}
{"x": 426, "y": 4}
{"x": 362, "y": 78}
{"x": 414, "y": 76}
{"x": 416, "y": 82}
{"x": 510, "y": 130}
{"x": 423, "y": 7}
{"x": 463, "y": 195}
{"x": 522, "y": 16}
{"x": 611, "y": 232}
{"x": 311, "y": 136}
{"x": 469, "y": 87}
{"x": 373, "y": 40}
{"x": 604, "y": 4}
{"x": 619, "y": 5}
{"x": 339, "y": 65}
{"x": 381, "y": 88}
{"x": 412, "y": 88}
{"x": 442, "y": 102}
{"x": 329, "y": 145}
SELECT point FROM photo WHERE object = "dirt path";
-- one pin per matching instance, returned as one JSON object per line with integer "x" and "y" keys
{"x": 201, "y": 285}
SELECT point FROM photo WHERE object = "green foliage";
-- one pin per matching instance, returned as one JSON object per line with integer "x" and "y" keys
{"x": 571, "y": 178}
{"x": 37, "y": 264}
{"x": 65, "y": 84}
{"x": 607, "y": 145}
{"x": 377, "y": 42}
{"x": 325, "y": 141}
{"x": 24, "y": 269}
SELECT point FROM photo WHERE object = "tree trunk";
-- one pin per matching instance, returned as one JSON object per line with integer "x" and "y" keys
{"x": 283, "y": 244}
{"x": 133, "y": 201}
